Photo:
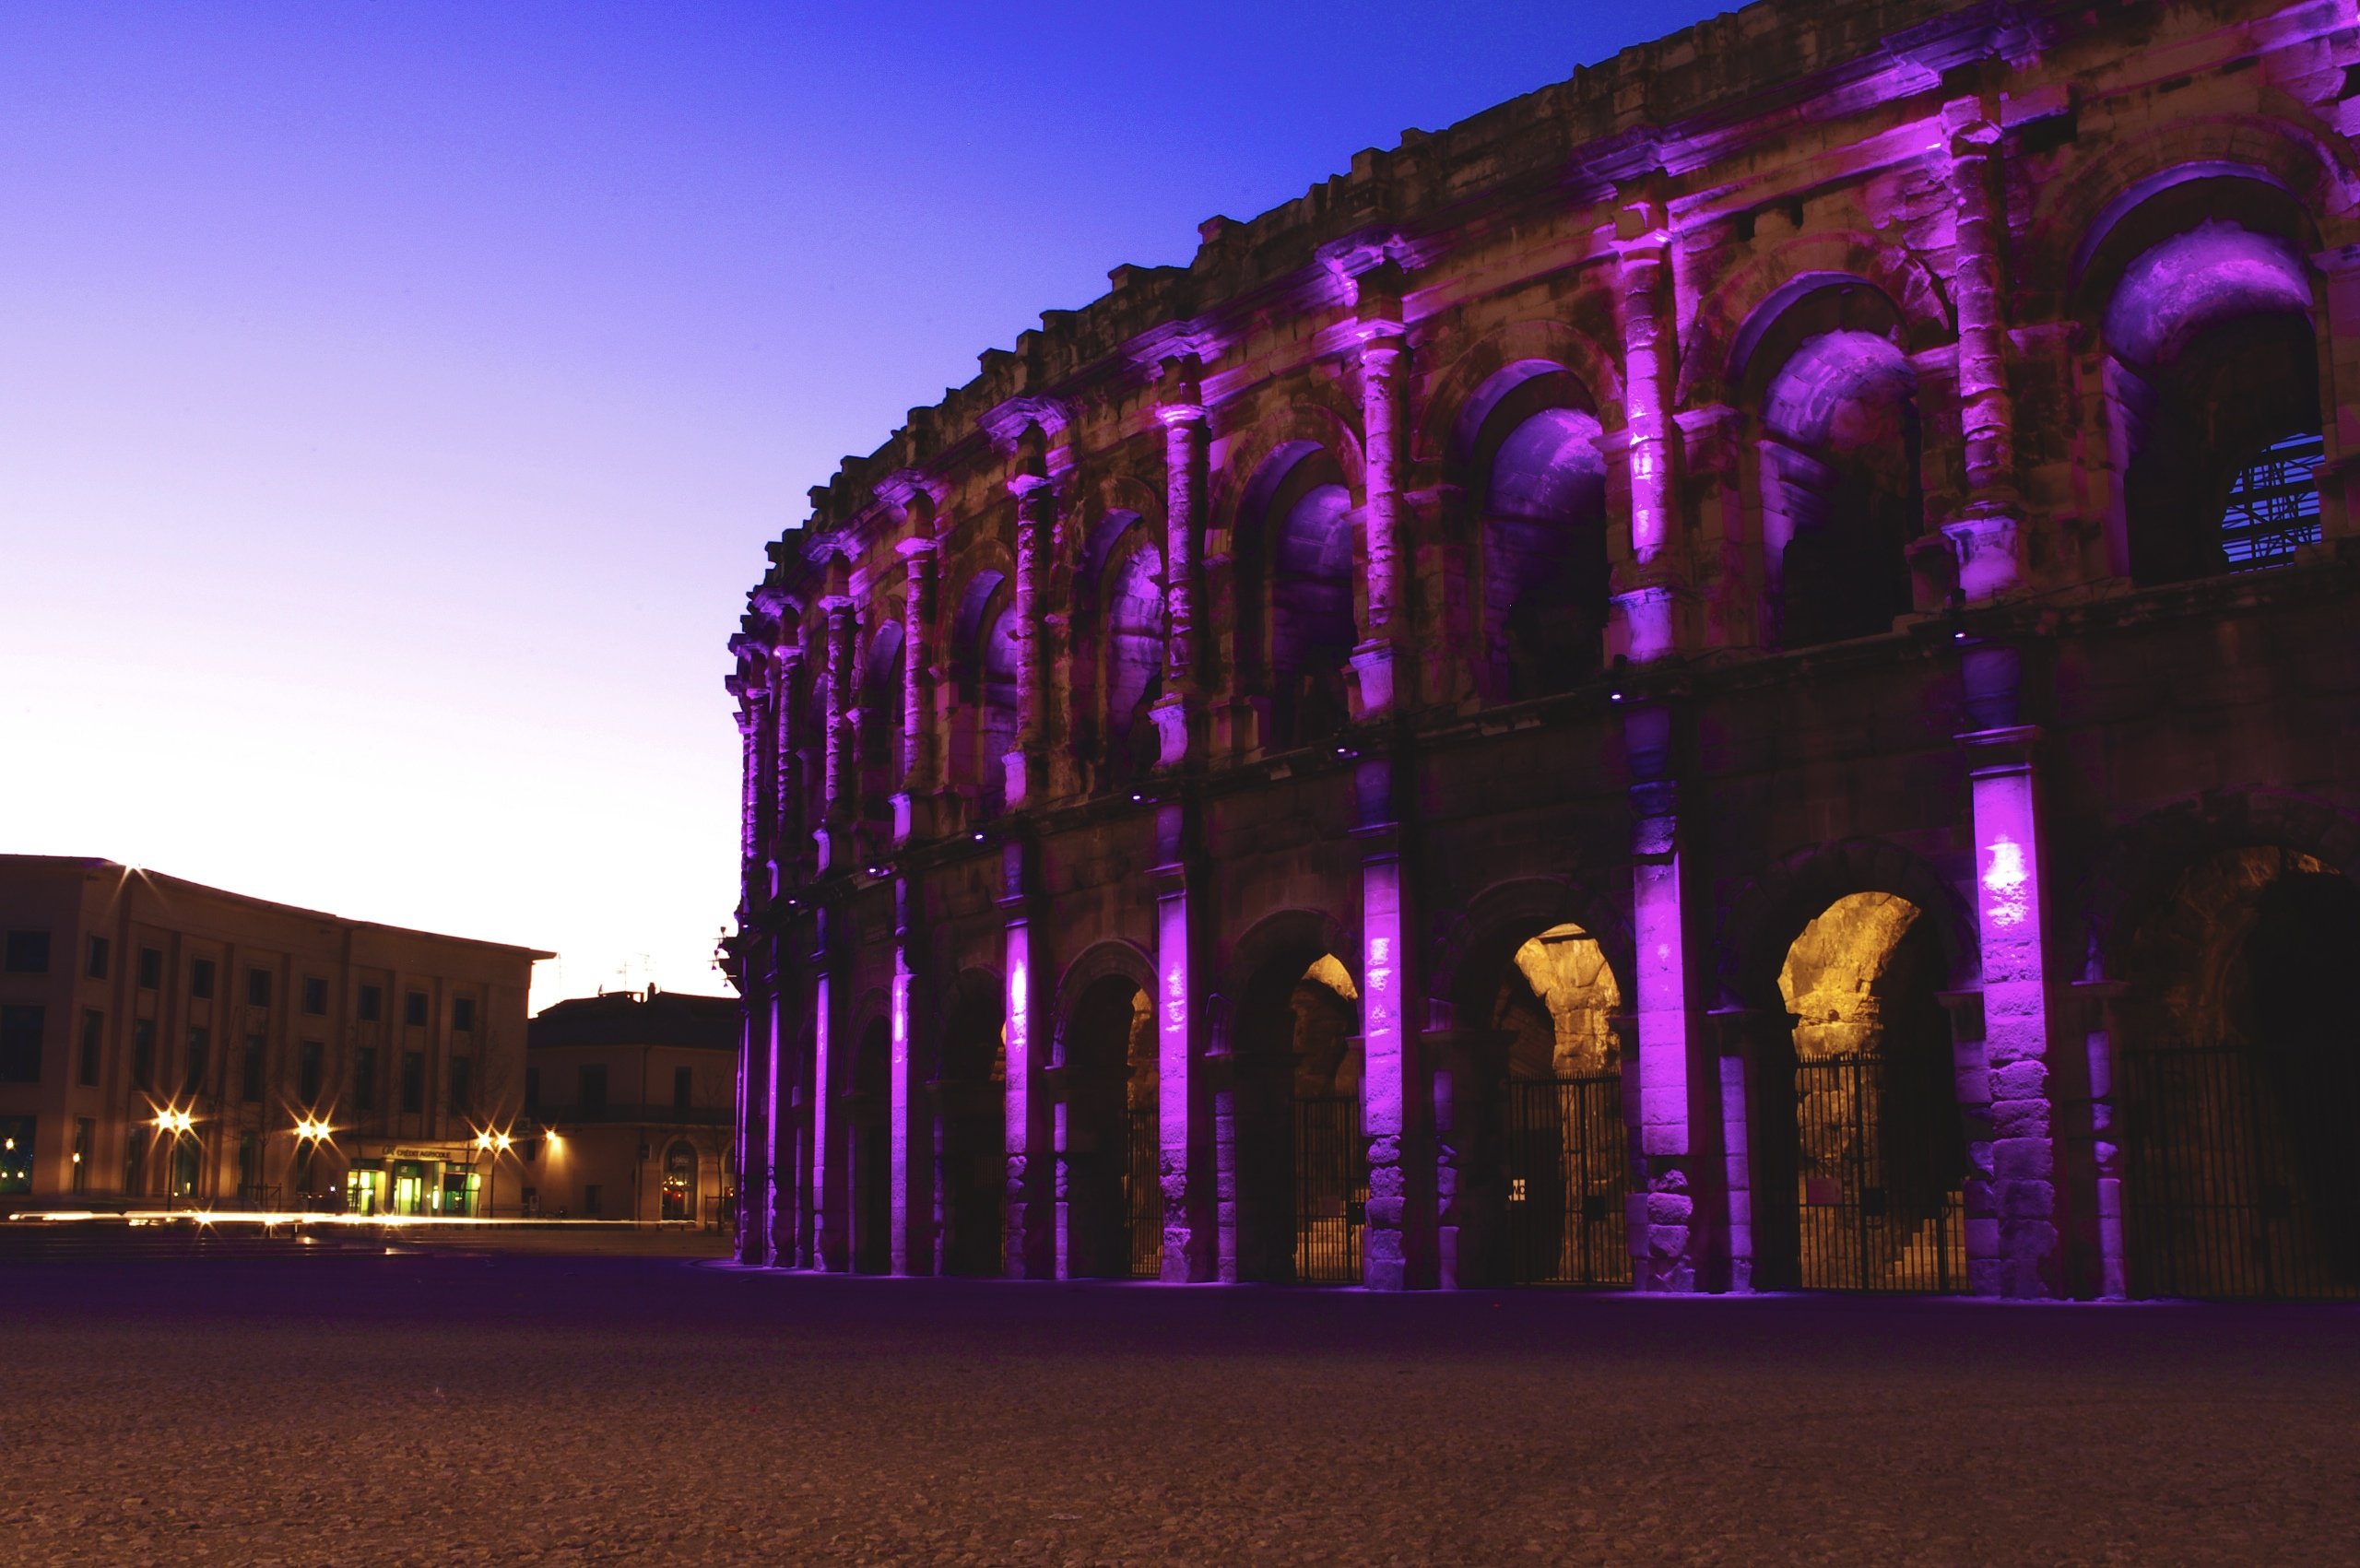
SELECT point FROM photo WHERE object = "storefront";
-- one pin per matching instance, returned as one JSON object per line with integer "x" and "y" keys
{"x": 415, "y": 1181}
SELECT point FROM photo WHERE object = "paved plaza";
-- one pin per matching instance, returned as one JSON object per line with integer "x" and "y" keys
{"x": 339, "y": 1406}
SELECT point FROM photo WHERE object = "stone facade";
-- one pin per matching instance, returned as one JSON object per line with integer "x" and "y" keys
{"x": 1849, "y": 447}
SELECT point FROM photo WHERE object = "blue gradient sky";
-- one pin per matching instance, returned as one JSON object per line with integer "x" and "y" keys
{"x": 395, "y": 399}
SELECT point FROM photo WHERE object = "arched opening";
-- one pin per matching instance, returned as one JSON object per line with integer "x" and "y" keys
{"x": 680, "y": 1194}
{"x": 2238, "y": 1082}
{"x": 1114, "y": 1200}
{"x": 1123, "y": 572}
{"x": 984, "y": 668}
{"x": 882, "y": 762}
{"x": 1298, "y": 522}
{"x": 1842, "y": 491}
{"x": 870, "y": 1117}
{"x": 1860, "y": 1150}
{"x": 971, "y": 1175}
{"x": 2198, "y": 279}
{"x": 1567, "y": 1165}
{"x": 1301, "y": 1161}
{"x": 1532, "y": 458}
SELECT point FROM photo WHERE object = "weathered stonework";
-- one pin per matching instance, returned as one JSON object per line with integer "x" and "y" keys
{"x": 1784, "y": 463}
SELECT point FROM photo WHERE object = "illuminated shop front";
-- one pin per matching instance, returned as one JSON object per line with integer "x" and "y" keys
{"x": 415, "y": 1181}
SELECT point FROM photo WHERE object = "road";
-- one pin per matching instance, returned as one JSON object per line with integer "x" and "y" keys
{"x": 423, "y": 1407}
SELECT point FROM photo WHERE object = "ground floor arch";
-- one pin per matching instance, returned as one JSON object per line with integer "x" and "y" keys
{"x": 1113, "y": 1204}
{"x": 868, "y": 1112}
{"x": 1301, "y": 1162}
{"x": 971, "y": 1131}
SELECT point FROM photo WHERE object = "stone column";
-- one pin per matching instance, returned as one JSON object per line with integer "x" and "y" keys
{"x": 1184, "y": 479}
{"x": 2339, "y": 478}
{"x": 1035, "y": 531}
{"x": 831, "y": 1233}
{"x": 903, "y": 1091}
{"x": 911, "y": 816}
{"x": 756, "y": 728}
{"x": 1983, "y": 540}
{"x": 1376, "y": 664}
{"x": 789, "y": 1197}
{"x": 1399, "y": 1244}
{"x": 786, "y": 765}
{"x": 2105, "y": 1157}
{"x": 2015, "y": 992}
{"x": 1181, "y": 1102}
{"x": 1646, "y": 605}
{"x": 1029, "y": 1233}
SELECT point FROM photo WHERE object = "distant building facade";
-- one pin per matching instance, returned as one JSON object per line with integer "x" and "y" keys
{"x": 629, "y": 1100}
{"x": 322, "y": 1063}
{"x": 1735, "y": 674}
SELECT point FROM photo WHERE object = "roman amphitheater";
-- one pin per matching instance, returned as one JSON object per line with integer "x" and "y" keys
{"x": 1739, "y": 674}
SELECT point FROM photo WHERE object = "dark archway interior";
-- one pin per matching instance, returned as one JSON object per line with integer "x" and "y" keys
{"x": 1111, "y": 1089}
{"x": 1544, "y": 537}
{"x": 973, "y": 1097}
{"x": 881, "y": 759}
{"x": 1301, "y": 1178}
{"x": 1298, "y": 516}
{"x": 1134, "y": 618}
{"x": 872, "y": 1153}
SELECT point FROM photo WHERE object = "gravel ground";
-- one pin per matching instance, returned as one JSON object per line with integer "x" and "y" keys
{"x": 428, "y": 1409}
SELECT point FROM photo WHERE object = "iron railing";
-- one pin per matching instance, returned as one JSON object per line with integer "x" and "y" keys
{"x": 2239, "y": 1178}
{"x": 1143, "y": 1194}
{"x": 1569, "y": 1174}
{"x": 1861, "y": 1187}
{"x": 1330, "y": 1190}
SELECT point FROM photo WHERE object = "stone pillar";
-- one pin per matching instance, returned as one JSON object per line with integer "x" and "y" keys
{"x": 1035, "y": 532}
{"x": 1182, "y": 1105}
{"x": 1184, "y": 481}
{"x": 1029, "y": 1227}
{"x": 1399, "y": 1246}
{"x": 2105, "y": 1132}
{"x": 1679, "y": 1079}
{"x": 841, "y": 790}
{"x": 786, "y": 765}
{"x": 2015, "y": 992}
{"x": 2339, "y": 478}
{"x": 1646, "y": 605}
{"x": 756, "y": 730}
{"x": 790, "y": 1172}
{"x": 1985, "y": 539}
{"x": 829, "y": 1185}
{"x": 1377, "y": 665}
{"x": 902, "y": 1092}
{"x": 911, "y": 815}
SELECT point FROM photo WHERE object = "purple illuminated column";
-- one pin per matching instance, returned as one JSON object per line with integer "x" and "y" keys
{"x": 1183, "y": 492}
{"x": 1376, "y": 662}
{"x": 1027, "y": 1228}
{"x": 1188, "y": 1235}
{"x": 901, "y": 1091}
{"x": 754, "y": 720}
{"x": 829, "y": 1247}
{"x": 1648, "y": 600}
{"x": 841, "y": 783}
{"x": 1983, "y": 540}
{"x": 789, "y": 1173}
{"x": 1399, "y": 1247}
{"x": 911, "y": 816}
{"x": 786, "y": 797}
{"x": 1678, "y": 1101}
{"x": 1035, "y": 531}
{"x": 2015, "y": 1016}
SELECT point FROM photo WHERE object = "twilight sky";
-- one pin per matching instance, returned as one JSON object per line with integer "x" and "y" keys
{"x": 395, "y": 398}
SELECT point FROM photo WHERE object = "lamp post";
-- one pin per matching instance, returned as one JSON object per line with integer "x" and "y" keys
{"x": 177, "y": 1122}
{"x": 494, "y": 1143}
{"x": 312, "y": 1130}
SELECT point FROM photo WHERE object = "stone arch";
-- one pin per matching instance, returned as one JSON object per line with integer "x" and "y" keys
{"x": 1104, "y": 1050}
{"x": 1500, "y": 917}
{"x": 1298, "y": 589}
{"x": 1770, "y": 911}
{"x": 2144, "y": 856}
{"x": 1119, "y": 631}
{"x": 1113, "y": 956}
{"x": 969, "y": 1065}
{"x": 1709, "y": 357}
{"x": 1248, "y": 450}
{"x": 1454, "y": 392}
{"x": 1280, "y": 934}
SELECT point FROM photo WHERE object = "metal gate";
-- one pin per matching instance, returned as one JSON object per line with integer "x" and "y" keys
{"x": 1143, "y": 1195}
{"x": 1330, "y": 1190}
{"x": 1569, "y": 1171}
{"x": 1875, "y": 1208}
{"x": 2238, "y": 1174}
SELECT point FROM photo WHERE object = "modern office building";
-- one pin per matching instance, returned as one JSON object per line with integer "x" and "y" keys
{"x": 629, "y": 1100}
{"x": 164, "y": 1043}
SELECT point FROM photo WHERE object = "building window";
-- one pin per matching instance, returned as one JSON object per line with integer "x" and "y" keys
{"x": 315, "y": 995}
{"x": 94, "y": 961}
{"x": 85, "y": 1133}
{"x": 257, "y": 987}
{"x": 413, "y": 1081}
{"x": 16, "y": 1154}
{"x": 143, "y": 1053}
{"x": 2273, "y": 504}
{"x": 200, "y": 978}
{"x": 200, "y": 1045}
{"x": 462, "y": 1084}
{"x": 593, "y": 1082}
{"x": 590, "y": 1199}
{"x": 532, "y": 1089}
{"x": 305, "y": 1152}
{"x": 373, "y": 1003}
{"x": 463, "y": 1014}
{"x": 28, "y": 952}
{"x": 249, "y": 1163}
{"x": 683, "y": 1083}
{"x": 151, "y": 968}
{"x": 364, "y": 1078}
{"x": 313, "y": 1071}
{"x": 414, "y": 1009}
{"x": 20, "y": 1033}
{"x": 531, "y": 1202}
{"x": 86, "y": 1060}
{"x": 135, "y": 1162}
{"x": 250, "y": 1072}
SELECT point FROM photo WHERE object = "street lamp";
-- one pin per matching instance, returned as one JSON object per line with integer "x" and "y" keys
{"x": 313, "y": 1129}
{"x": 177, "y": 1122}
{"x": 494, "y": 1143}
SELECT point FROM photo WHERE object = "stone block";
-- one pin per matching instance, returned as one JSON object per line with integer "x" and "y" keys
{"x": 2021, "y": 1159}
